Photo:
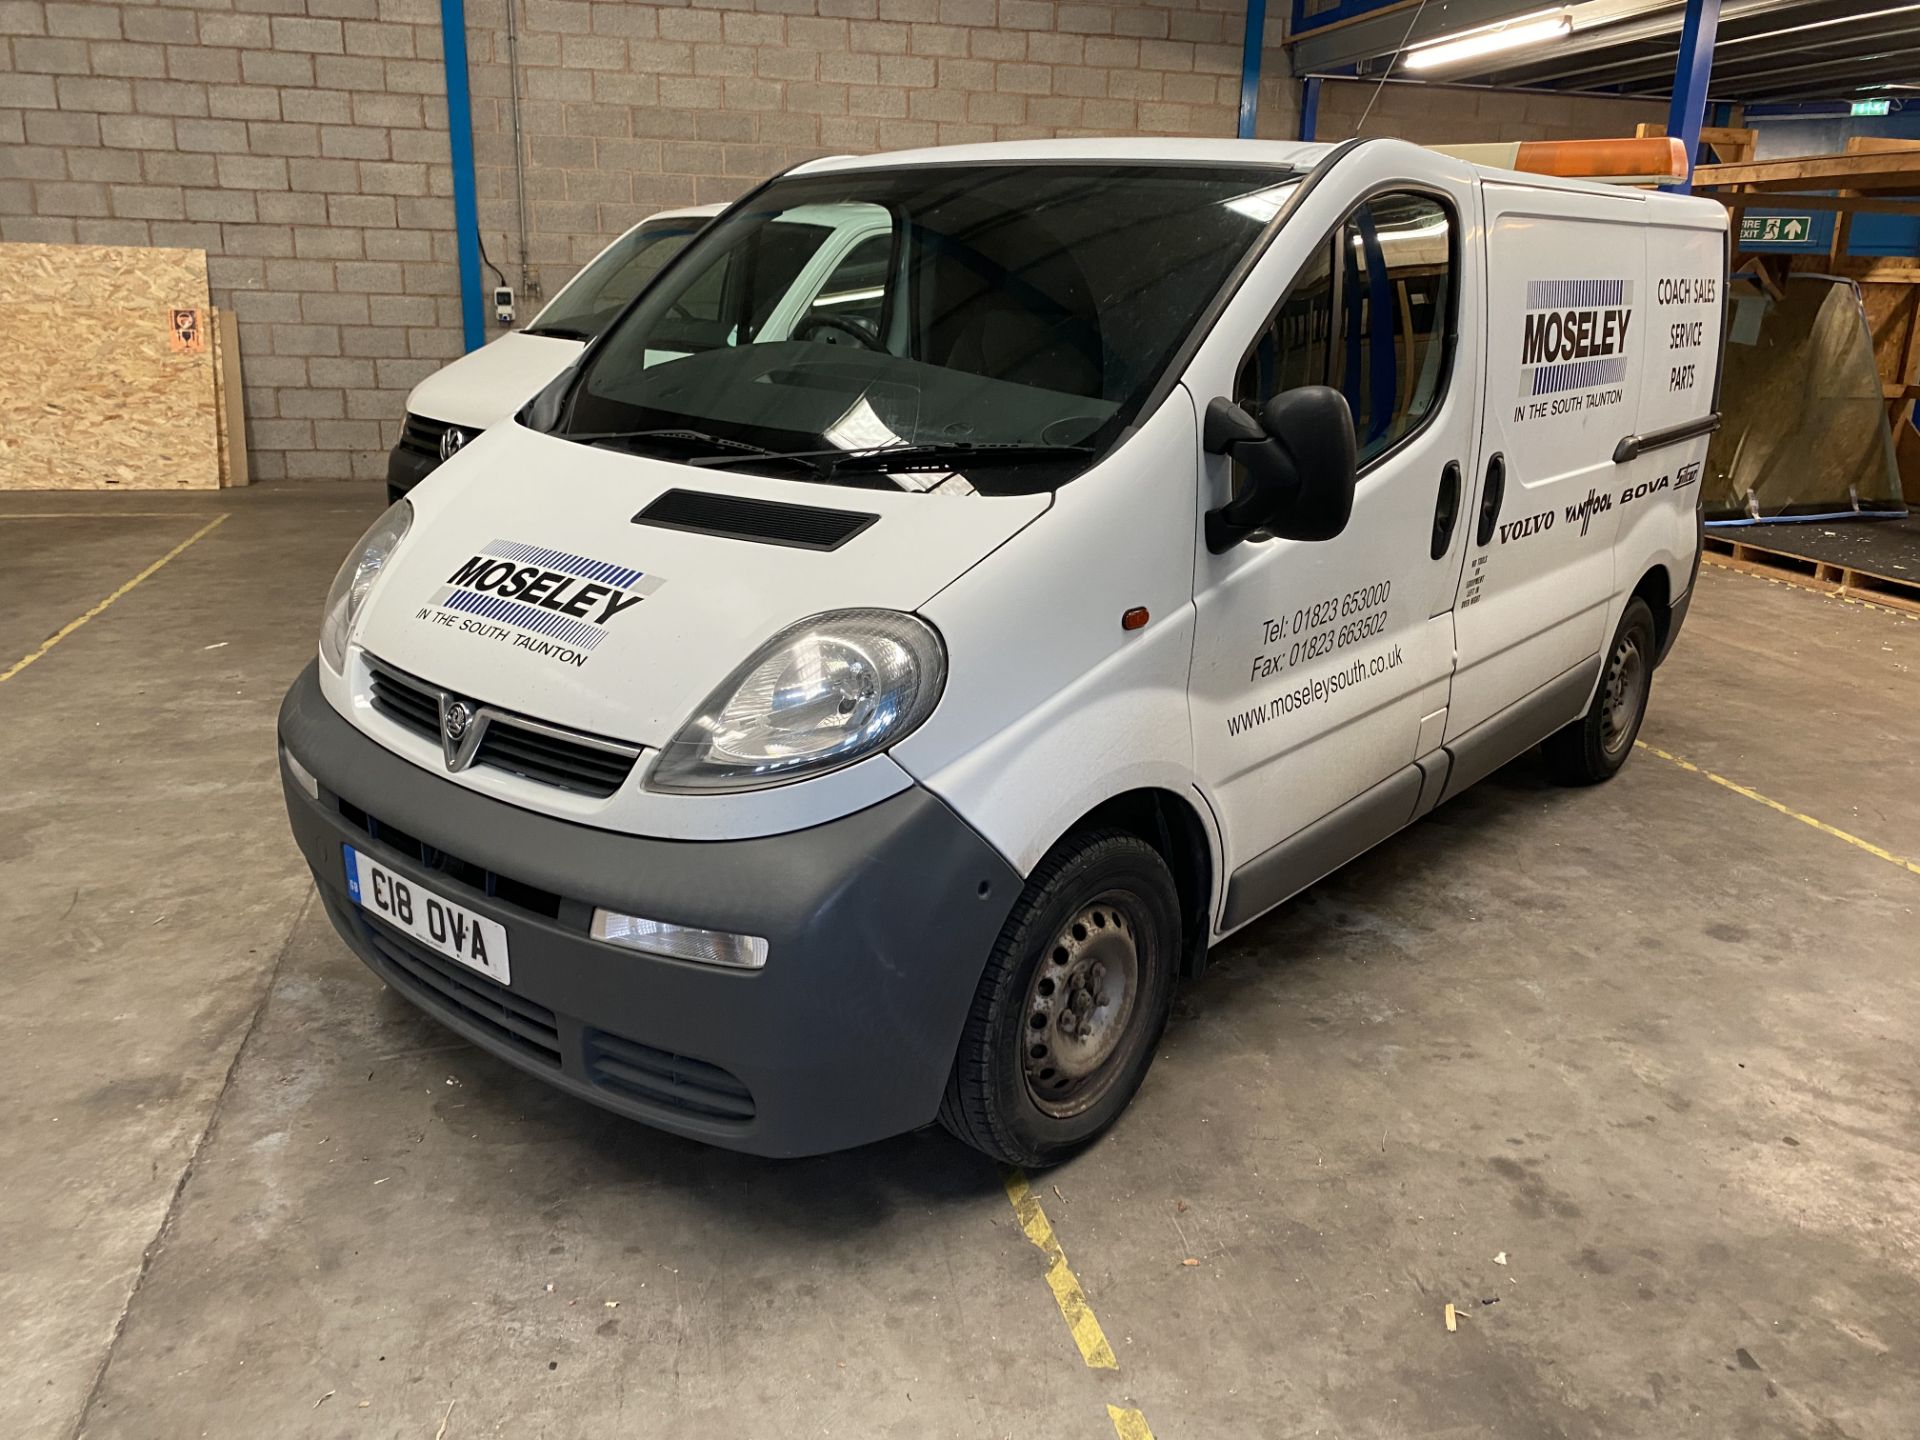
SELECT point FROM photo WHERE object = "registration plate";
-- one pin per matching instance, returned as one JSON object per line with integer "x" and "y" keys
{"x": 435, "y": 921}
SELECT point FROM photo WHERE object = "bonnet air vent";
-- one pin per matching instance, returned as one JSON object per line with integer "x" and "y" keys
{"x": 805, "y": 527}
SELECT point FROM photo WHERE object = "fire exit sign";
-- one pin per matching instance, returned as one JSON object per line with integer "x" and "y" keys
{"x": 1872, "y": 107}
{"x": 1774, "y": 229}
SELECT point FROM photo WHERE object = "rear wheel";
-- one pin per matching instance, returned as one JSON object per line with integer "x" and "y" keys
{"x": 1594, "y": 747}
{"x": 1072, "y": 1003}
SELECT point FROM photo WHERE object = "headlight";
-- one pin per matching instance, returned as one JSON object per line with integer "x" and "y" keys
{"x": 363, "y": 565}
{"x": 821, "y": 694}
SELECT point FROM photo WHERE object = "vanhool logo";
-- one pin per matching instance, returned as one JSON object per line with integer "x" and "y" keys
{"x": 567, "y": 598}
{"x": 1575, "y": 335}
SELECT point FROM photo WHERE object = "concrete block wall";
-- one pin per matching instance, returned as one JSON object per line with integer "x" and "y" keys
{"x": 629, "y": 108}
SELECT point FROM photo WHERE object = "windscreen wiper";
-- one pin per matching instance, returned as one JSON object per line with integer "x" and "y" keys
{"x": 560, "y": 332}
{"x": 748, "y": 451}
{"x": 945, "y": 454}
{"x": 934, "y": 455}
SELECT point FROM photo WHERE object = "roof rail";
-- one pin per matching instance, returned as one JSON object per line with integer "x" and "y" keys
{"x": 1648, "y": 161}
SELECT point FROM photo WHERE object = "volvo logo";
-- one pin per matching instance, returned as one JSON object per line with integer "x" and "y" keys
{"x": 451, "y": 439}
{"x": 461, "y": 725}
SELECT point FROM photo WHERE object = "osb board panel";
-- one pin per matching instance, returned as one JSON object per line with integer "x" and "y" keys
{"x": 97, "y": 390}
{"x": 232, "y": 420}
{"x": 1890, "y": 310}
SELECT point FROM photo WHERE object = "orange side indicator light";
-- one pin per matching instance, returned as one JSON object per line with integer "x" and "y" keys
{"x": 1134, "y": 619}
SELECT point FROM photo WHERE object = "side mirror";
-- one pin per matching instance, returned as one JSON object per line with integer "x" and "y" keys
{"x": 1301, "y": 459}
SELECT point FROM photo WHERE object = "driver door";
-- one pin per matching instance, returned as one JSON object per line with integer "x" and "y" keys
{"x": 1321, "y": 669}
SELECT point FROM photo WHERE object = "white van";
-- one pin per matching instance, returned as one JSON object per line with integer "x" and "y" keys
{"x": 485, "y": 386}
{"x": 788, "y": 737}
{"x": 826, "y": 261}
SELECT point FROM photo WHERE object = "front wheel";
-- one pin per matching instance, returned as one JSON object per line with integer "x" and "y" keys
{"x": 1075, "y": 995}
{"x": 1594, "y": 747}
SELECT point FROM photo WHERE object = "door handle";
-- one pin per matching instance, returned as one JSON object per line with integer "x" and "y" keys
{"x": 1446, "y": 509}
{"x": 1491, "y": 495}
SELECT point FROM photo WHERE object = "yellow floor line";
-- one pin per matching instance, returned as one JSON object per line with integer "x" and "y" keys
{"x": 72, "y": 625}
{"x": 1067, "y": 1293}
{"x": 1129, "y": 1424}
{"x": 1820, "y": 825}
{"x": 100, "y": 514}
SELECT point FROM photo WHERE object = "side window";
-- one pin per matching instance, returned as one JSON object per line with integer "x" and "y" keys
{"x": 857, "y": 288}
{"x": 1376, "y": 327}
{"x": 1396, "y": 254}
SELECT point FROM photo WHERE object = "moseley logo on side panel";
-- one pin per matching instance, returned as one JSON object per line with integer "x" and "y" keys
{"x": 1573, "y": 345}
{"x": 549, "y": 602}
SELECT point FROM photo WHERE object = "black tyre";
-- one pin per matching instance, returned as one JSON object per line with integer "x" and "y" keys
{"x": 1075, "y": 995}
{"x": 1594, "y": 747}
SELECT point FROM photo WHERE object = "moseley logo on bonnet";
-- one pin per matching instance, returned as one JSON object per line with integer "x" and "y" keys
{"x": 550, "y": 602}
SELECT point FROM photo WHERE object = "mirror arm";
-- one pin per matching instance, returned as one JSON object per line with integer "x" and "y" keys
{"x": 1227, "y": 427}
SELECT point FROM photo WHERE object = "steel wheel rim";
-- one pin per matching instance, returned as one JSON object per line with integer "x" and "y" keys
{"x": 1625, "y": 689}
{"x": 1079, "y": 1005}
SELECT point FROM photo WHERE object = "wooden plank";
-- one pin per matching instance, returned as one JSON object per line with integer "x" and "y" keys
{"x": 1898, "y": 170}
{"x": 233, "y": 469}
{"x": 1837, "y": 580}
{"x": 1842, "y": 228}
{"x": 222, "y": 441}
{"x": 1878, "y": 145}
{"x": 100, "y": 388}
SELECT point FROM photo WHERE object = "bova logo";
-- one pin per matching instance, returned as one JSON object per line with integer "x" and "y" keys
{"x": 1574, "y": 336}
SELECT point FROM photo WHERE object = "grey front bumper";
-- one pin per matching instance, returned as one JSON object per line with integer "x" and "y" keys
{"x": 878, "y": 927}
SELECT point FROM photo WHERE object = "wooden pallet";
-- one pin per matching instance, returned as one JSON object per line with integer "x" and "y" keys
{"x": 1823, "y": 575}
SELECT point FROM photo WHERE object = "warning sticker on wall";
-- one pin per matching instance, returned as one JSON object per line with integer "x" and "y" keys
{"x": 186, "y": 331}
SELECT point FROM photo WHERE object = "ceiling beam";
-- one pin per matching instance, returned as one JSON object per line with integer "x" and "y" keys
{"x": 1382, "y": 32}
{"x": 1728, "y": 64}
{"x": 1551, "y": 70}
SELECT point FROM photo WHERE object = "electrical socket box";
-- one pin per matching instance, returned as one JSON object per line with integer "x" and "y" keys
{"x": 503, "y": 305}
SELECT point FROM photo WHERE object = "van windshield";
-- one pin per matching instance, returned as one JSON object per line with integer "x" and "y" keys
{"x": 596, "y": 296}
{"x": 1002, "y": 323}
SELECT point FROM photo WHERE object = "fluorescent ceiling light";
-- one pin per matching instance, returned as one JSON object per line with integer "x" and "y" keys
{"x": 1514, "y": 35}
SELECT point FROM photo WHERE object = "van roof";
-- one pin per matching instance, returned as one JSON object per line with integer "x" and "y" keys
{"x": 1288, "y": 154}
{"x": 685, "y": 212}
{"x": 1280, "y": 153}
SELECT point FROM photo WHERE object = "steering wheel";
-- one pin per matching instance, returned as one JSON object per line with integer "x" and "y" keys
{"x": 859, "y": 330}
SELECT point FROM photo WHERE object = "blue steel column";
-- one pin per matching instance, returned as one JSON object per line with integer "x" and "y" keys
{"x": 1309, "y": 107}
{"x": 1250, "y": 49}
{"x": 1692, "y": 69}
{"x": 466, "y": 214}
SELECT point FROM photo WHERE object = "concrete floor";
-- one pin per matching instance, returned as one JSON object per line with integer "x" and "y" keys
{"x": 1651, "y": 1042}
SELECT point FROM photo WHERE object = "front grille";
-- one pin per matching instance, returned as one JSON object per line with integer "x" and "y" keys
{"x": 504, "y": 888}
{"x": 406, "y": 702}
{"x": 445, "y": 989}
{"x": 564, "y": 759}
{"x": 658, "y": 1077}
{"x": 422, "y": 434}
{"x": 553, "y": 759}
